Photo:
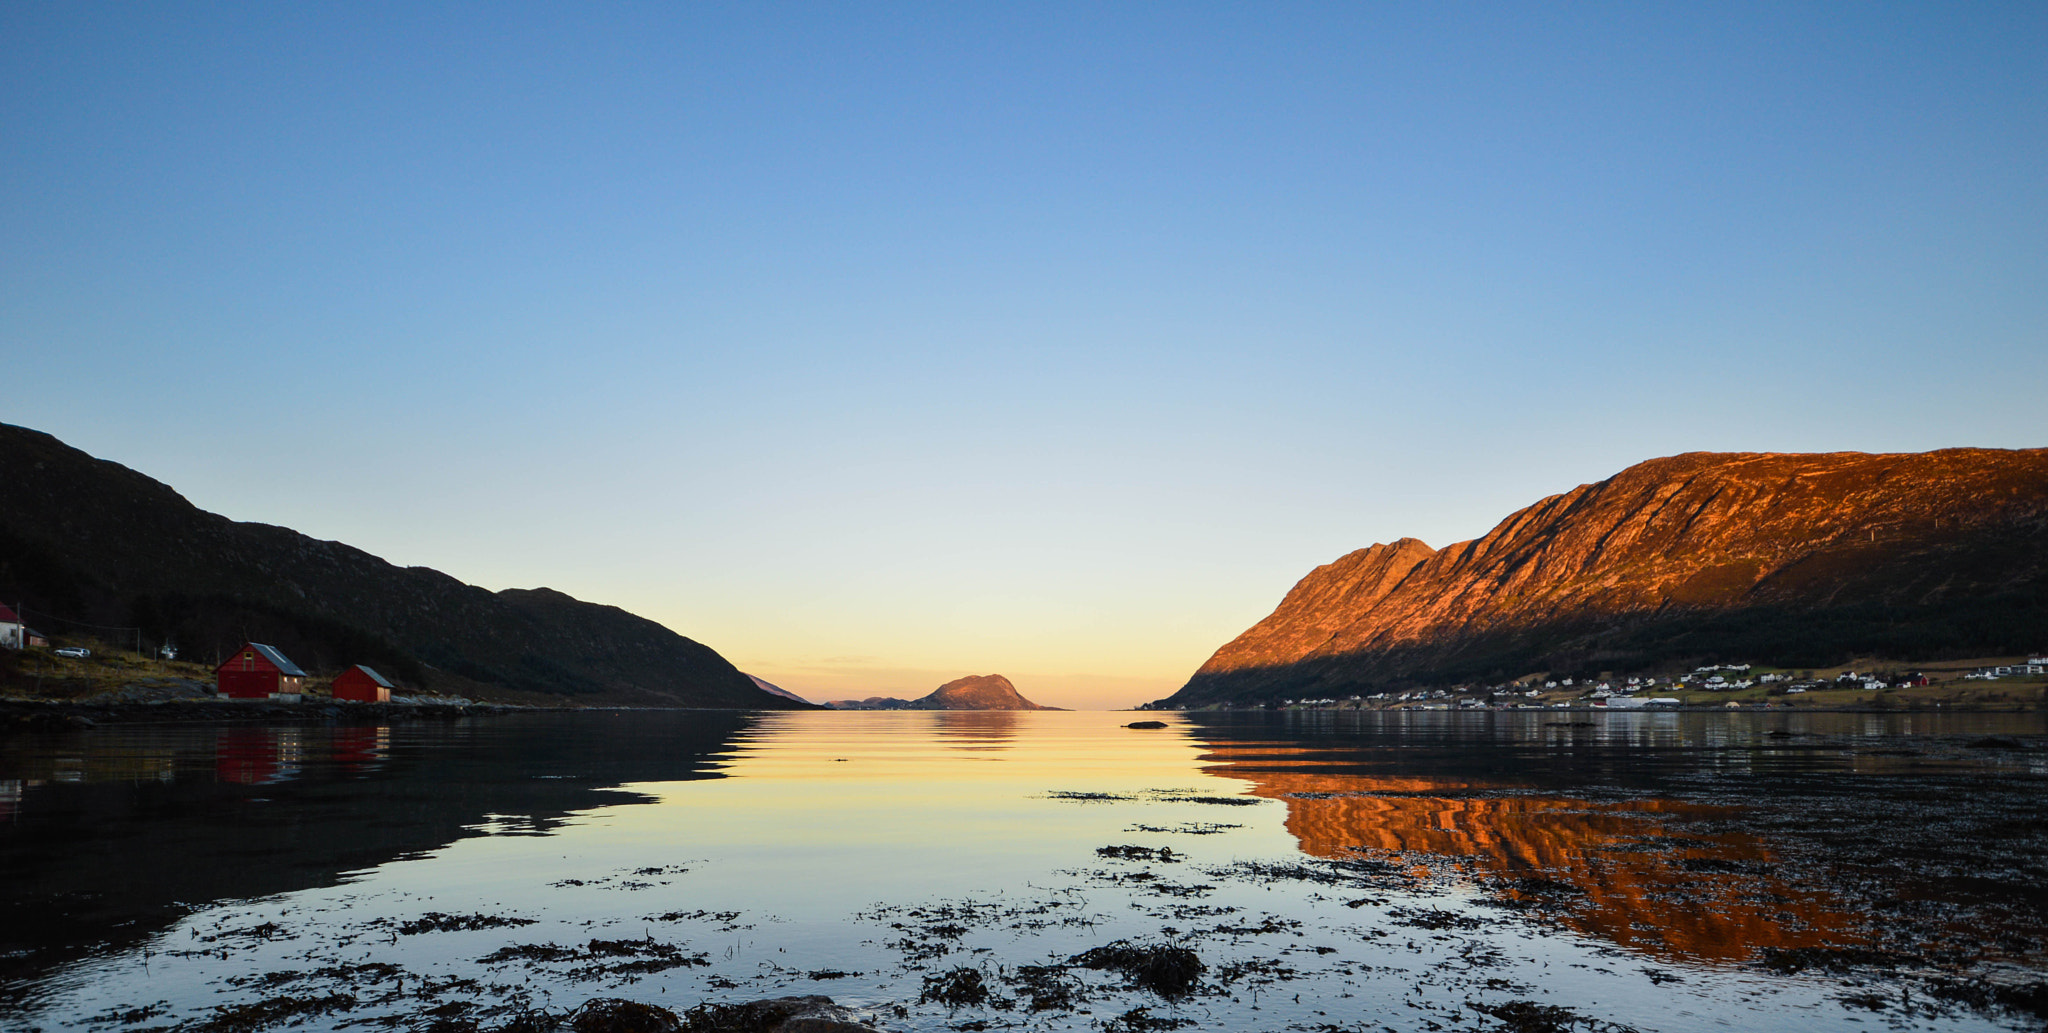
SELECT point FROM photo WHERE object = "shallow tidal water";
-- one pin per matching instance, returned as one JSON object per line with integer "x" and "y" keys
{"x": 1330, "y": 871}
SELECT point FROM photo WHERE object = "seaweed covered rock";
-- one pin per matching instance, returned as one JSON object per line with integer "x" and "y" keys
{"x": 954, "y": 989}
{"x": 616, "y": 1015}
{"x": 809, "y": 1014}
{"x": 1163, "y": 969}
{"x": 812, "y": 1014}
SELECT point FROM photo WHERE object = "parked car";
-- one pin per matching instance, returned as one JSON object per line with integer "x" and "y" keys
{"x": 74, "y": 652}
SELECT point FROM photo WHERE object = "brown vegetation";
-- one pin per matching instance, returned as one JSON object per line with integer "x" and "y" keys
{"x": 1793, "y": 560}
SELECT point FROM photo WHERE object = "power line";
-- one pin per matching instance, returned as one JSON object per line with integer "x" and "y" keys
{"x": 24, "y": 611}
{"x": 80, "y": 624}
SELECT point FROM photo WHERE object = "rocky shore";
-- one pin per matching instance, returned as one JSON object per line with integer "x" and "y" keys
{"x": 62, "y": 715}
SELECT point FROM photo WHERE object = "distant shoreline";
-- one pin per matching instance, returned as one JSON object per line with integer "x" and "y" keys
{"x": 45, "y": 716}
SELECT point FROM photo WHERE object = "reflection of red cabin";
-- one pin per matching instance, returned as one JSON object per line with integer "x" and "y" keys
{"x": 359, "y": 749}
{"x": 257, "y": 671}
{"x": 255, "y": 756}
{"x": 363, "y": 685}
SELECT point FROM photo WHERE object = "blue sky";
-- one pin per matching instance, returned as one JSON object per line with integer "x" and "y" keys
{"x": 875, "y": 345}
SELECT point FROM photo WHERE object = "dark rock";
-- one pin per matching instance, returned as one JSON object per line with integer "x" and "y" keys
{"x": 1995, "y": 742}
{"x": 1146, "y": 724}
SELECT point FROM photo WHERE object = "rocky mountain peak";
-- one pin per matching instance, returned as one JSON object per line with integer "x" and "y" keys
{"x": 978, "y": 692}
{"x": 1801, "y": 558}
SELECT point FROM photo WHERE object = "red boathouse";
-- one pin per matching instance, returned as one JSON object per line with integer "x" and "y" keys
{"x": 363, "y": 685}
{"x": 257, "y": 671}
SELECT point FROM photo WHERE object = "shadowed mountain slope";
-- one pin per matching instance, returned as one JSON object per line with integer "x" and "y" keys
{"x": 94, "y": 541}
{"x": 1797, "y": 560}
{"x": 770, "y": 687}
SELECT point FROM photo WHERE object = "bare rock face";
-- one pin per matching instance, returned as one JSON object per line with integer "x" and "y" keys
{"x": 986, "y": 692}
{"x": 1787, "y": 558}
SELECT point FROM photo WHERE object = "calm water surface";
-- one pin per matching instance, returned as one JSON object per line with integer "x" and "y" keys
{"x": 1332, "y": 871}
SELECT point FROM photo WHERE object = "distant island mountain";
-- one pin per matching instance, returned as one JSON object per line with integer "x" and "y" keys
{"x": 767, "y": 686}
{"x": 983, "y": 692}
{"x": 1784, "y": 559}
{"x": 95, "y": 542}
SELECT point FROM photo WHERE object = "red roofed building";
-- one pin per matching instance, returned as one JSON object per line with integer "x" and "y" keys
{"x": 10, "y": 628}
{"x": 363, "y": 685}
{"x": 257, "y": 671}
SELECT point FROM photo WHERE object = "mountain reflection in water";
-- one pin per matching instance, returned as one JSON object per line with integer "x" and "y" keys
{"x": 976, "y": 729}
{"x": 1612, "y": 870}
{"x": 108, "y": 836}
{"x": 859, "y": 854}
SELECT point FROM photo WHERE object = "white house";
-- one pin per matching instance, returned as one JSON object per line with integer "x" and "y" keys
{"x": 10, "y": 628}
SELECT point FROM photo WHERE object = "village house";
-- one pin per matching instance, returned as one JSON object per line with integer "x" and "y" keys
{"x": 362, "y": 685}
{"x": 257, "y": 671}
{"x": 11, "y": 628}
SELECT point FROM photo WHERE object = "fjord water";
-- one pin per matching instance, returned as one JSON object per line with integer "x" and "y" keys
{"x": 1332, "y": 870}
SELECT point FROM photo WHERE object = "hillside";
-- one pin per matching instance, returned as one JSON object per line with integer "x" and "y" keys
{"x": 1794, "y": 560}
{"x": 986, "y": 692}
{"x": 770, "y": 687}
{"x": 980, "y": 692}
{"x": 94, "y": 541}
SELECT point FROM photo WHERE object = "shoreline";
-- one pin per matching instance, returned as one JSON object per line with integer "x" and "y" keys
{"x": 60, "y": 715}
{"x": 79, "y": 715}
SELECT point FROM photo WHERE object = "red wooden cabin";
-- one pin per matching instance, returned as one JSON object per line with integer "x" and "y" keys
{"x": 363, "y": 685}
{"x": 257, "y": 671}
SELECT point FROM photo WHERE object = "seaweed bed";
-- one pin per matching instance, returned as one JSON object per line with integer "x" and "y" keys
{"x": 1143, "y": 984}
{"x": 1939, "y": 905}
